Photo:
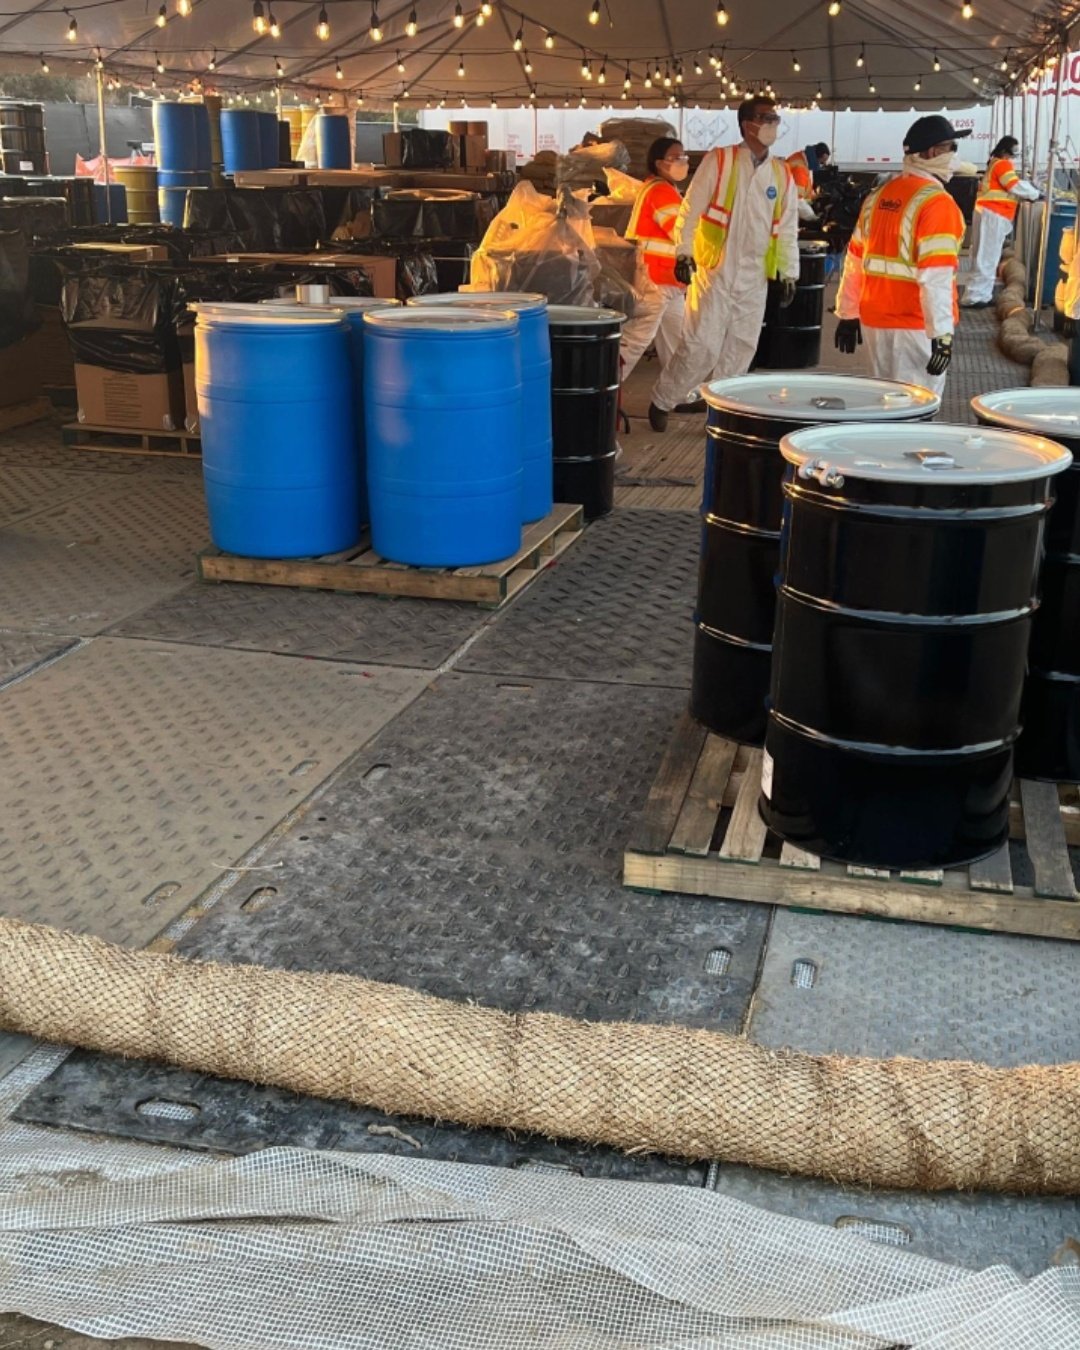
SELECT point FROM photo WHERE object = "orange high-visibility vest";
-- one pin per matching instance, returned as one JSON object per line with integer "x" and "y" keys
{"x": 908, "y": 224}
{"x": 800, "y": 171}
{"x": 710, "y": 239}
{"x": 994, "y": 194}
{"x": 652, "y": 227}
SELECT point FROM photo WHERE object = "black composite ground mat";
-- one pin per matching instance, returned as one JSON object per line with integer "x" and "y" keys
{"x": 395, "y": 631}
{"x": 473, "y": 850}
{"x": 618, "y": 606}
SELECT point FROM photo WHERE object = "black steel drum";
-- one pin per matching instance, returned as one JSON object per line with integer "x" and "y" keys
{"x": 791, "y": 338}
{"x": 22, "y": 137}
{"x": 1049, "y": 746}
{"x": 908, "y": 582}
{"x": 585, "y": 404}
{"x": 740, "y": 539}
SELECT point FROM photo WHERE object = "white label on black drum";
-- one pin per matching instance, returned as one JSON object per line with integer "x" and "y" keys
{"x": 766, "y": 774}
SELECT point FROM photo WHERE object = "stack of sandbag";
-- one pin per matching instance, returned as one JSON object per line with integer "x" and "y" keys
{"x": 636, "y": 134}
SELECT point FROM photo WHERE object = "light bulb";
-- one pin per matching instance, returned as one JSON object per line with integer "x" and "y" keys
{"x": 819, "y": 94}
{"x": 532, "y": 94}
{"x": 937, "y": 63}
{"x": 1004, "y": 64}
{"x": 549, "y": 39}
{"x": 404, "y": 93}
{"x": 157, "y": 64}
{"x": 648, "y": 80}
{"x": 623, "y": 94}
{"x": 697, "y": 67}
{"x": 678, "y": 74}
{"x": 44, "y": 66}
{"x": 528, "y": 65}
{"x": 667, "y": 79}
{"x": 795, "y": 63}
{"x": 721, "y": 14}
{"x": 834, "y": 8}
{"x": 400, "y": 64}
{"x": 412, "y": 27}
{"x": 602, "y": 77}
{"x": 494, "y": 104}
{"x": 258, "y": 18}
{"x": 375, "y": 30}
{"x": 860, "y": 60}
{"x": 918, "y": 83}
{"x": 871, "y": 87}
{"x": 485, "y": 9}
{"x": 279, "y": 69}
{"x": 461, "y": 68}
{"x": 967, "y": 9}
{"x": 73, "y": 30}
{"x": 594, "y": 13}
{"x": 183, "y": 8}
{"x": 360, "y": 99}
{"x": 212, "y": 63}
{"x": 627, "y": 82}
{"x": 162, "y": 17}
{"x": 339, "y": 74}
{"x": 481, "y": 18}
{"x": 584, "y": 65}
{"x": 322, "y": 28}
{"x": 975, "y": 79}
{"x": 459, "y": 18}
{"x": 275, "y": 27}
{"x": 153, "y": 83}
{"x": 519, "y": 40}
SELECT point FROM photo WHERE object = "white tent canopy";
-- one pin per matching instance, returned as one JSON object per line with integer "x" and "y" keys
{"x": 871, "y": 53}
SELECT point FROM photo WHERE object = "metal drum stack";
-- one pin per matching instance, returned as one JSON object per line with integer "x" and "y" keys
{"x": 908, "y": 584}
{"x": 1049, "y": 747}
{"x": 741, "y": 513}
{"x": 791, "y": 338}
{"x": 22, "y": 138}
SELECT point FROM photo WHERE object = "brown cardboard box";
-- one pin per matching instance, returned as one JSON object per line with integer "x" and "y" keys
{"x": 393, "y": 149}
{"x": 134, "y": 253}
{"x": 474, "y": 152}
{"x": 53, "y": 361}
{"x": 113, "y": 398}
{"x": 20, "y": 380}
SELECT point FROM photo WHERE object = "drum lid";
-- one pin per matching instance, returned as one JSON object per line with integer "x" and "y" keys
{"x": 521, "y": 302}
{"x": 346, "y": 302}
{"x": 577, "y": 316}
{"x": 236, "y": 312}
{"x": 813, "y": 246}
{"x": 439, "y": 319}
{"x": 925, "y": 452}
{"x": 1049, "y": 411}
{"x": 809, "y": 397}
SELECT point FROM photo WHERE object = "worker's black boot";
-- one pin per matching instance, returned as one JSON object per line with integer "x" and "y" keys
{"x": 657, "y": 418}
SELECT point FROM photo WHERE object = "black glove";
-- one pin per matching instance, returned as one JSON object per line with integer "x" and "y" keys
{"x": 787, "y": 291}
{"x": 684, "y": 270}
{"x": 848, "y": 336}
{"x": 940, "y": 356}
{"x": 1068, "y": 328}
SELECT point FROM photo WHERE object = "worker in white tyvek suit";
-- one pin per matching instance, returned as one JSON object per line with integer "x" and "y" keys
{"x": 737, "y": 229}
{"x": 1071, "y": 303}
{"x": 898, "y": 287}
{"x": 1001, "y": 191}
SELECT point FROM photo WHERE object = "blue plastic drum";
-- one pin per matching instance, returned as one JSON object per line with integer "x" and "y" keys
{"x": 202, "y": 136}
{"x": 333, "y": 142}
{"x": 276, "y": 420}
{"x": 442, "y": 403}
{"x": 355, "y": 307}
{"x": 241, "y": 139}
{"x": 176, "y": 140}
{"x": 173, "y": 189}
{"x": 268, "y": 139}
{"x": 110, "y": 203}
{"x": 531, "y": 309}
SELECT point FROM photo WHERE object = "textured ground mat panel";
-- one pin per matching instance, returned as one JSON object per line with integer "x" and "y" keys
{"x": 399, "y": 632}
{"x": 618, "y": 607}
{"x": 136, "y": 773}
{"x": 473, "y": 851}
{"x": 834, "y": 983}
{"x": 82, "y": 565}
{"x": 21, "y": 652}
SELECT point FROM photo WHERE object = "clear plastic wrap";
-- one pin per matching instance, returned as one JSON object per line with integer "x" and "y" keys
{"x": 538, "y": 243}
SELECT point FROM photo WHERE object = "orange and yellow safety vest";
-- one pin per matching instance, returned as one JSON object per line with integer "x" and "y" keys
{"x": 800, "y": 171}
{"x": 994, "y": 194}
{"x": 710, "y": 240}
{"x": 652, "y": 228}
{"x": 906, "y": 225}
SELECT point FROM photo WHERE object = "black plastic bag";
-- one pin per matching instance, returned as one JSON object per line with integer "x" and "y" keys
{"x": 427, "y": 213}
{"x": 422, "y": 149}
{"x": 123, "y": 318}
{"x": 18, "y": 317}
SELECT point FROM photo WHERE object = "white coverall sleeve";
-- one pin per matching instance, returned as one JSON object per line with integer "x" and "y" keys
{"x": 936, "y": 285}
{"x": 698, "y": 196}
{"x": 851, "y": 279}
{"x": 806, "y": 211}
{"x": 787, "y": 245}
{"x": 1027, "y": 192}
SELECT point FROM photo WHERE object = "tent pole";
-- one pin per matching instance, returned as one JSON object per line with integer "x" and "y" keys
{"x": 396, "y": 127}
{"x": 536, "y": 131}
{"x": 103, "y": 149}
{"x": 1048, "y": 206}
{"x": 1023, "y": 135}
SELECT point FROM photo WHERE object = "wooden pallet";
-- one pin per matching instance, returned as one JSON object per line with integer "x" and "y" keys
{"x": 361, "y": 570}
{"x": 125, "y": 441}
{"x": 22, "y": 414}
{"x": 701, "y": 834}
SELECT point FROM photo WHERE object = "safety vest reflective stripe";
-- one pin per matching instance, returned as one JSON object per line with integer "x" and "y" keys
{"x": 1009, "y": 178}
{"x": 665, "y": 213}
{"x": 721, "y": 215}
{"x": 875, "y": 265}
{"x": 937, "y": 243}
{"x": 908, "y": 219}
{"x": 995, "y": 196}
{"x": 660, "y": 248}
{"x": 711, "y": 238}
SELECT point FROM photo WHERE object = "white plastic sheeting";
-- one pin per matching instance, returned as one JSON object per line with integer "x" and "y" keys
{"x": 352, "y": 1252}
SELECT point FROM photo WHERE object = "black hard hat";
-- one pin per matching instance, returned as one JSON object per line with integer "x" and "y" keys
{"x": 929, "y": 131}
